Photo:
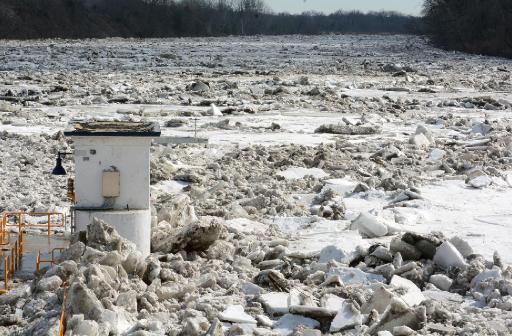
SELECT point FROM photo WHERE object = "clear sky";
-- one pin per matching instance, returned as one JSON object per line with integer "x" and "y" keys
{"x": 412, "y": 7}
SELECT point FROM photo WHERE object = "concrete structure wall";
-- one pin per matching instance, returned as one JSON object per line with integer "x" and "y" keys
{"x": 130, "y": 155}
{"x": 134, "y": 225}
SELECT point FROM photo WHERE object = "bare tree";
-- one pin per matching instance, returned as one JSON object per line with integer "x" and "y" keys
{"x": 163, "y": 18}
{"x": 471, "y": 25}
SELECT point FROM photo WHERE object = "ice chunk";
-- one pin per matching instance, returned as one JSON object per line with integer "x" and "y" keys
{"x": 441, "y": 281}
{"x": 275, "y": 303}
{"x": 49, "y": 284}
{"x": 197, "y": 325}
{"x": 264, "y": 320}
{"x": 442, "y": 296}
{"x": 83, "y": 301}
{"x": 244, "y": 225}
{"x": 295, "y": 298}
{"x": 214, "y": 111}
{"x": 448, "y": 256}
{"x": 478, "y": 179}
{"x": 317, "y": 313}
{"x": 86, "y": 327}
{"x": 249, "y": 288}
{"x": 16, "y": 294}
{"x": 480, "y": 182}
{"x": 288, "y": 323}
{"x": 422, "y": 138}
{"x": 408, "y": 251}
{"x": 198, "y": 86}
{"x": 236, "y": 314}
{"x": 369, "y": 226}
{"x": 344, "y": 186}
{"x": 436, "y": 154}
{"x": 403, "y": 331}
{"x": 379, "y": 301}
{"x": 242, "y": 329}
{"x": 399, "y": 314}
{"x": 118, "y": 319}
{"x": 216, "y": 329}
{"x": 197, "y": 236}
{"x": 294, "y": 173}
{"x": 332, "y": 252}
{"x": 494, "y": 273}
{"x": 412, "y": 294}
{"x": 347, "y": 318}
{"x": 384, "y": 333}
{"x": 419, "y": 141}
{"x": 128, "y": 300}
{"x": 353, "y": 276}
{"x": 332, "y": 302}
{"x": 481, "y": 128}
{"x": 462, "y": 246}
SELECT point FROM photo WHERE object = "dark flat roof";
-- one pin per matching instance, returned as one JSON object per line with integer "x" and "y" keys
{"x": 114, "y": 128}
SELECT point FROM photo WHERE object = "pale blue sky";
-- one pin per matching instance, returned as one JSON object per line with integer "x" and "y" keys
{"x": 328, "y": 6}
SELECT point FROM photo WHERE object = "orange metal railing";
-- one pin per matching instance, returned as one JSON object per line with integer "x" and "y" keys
{"x": 5, "y": 234}
{"x": 51, "y": 261}
{"x": 62, "y": 320}
{"x": 12, "y": 262}
{"x": 7, "y": 274}
{"x": 19, "y": 220}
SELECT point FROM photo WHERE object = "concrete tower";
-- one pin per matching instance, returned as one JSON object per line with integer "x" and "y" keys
{"x": 112, "y": 177}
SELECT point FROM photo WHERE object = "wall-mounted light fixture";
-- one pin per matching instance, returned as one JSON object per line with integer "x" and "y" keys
{"x": 59, "y": 169}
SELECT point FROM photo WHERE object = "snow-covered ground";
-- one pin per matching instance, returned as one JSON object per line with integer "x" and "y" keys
{"x": 416, "y": 125}
{"x": 48, "y": 83}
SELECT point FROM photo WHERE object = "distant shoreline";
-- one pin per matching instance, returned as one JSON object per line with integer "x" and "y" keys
{"x": 78, "y": 19}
